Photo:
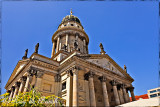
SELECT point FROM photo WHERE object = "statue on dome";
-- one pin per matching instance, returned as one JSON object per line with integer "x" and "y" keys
{"x": 102, "y": 49}
{"x": 75, "y": 45}
{"x": 64, "y": 47}
{"x": 71, "y": 12}
{"x": 36, "y": 48}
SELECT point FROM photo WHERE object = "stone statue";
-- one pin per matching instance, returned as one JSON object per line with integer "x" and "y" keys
{"x": 125, "y": 68}
{"x": 25, "y": 55}
{"x": 102, "y": 49}
{"x": 64, "y": 47}
{"x": 36, "y": 48}
{"x": 75, "y": 45}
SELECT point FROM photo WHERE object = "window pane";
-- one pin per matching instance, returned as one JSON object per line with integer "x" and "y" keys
{"x": 153, "y": 91}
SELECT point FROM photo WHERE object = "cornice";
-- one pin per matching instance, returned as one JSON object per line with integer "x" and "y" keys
{"x": 74, "y": 29}
{"x": 12, "y": 77}
{"x": 89, "y": 64}
{"x": 92, "y": 56}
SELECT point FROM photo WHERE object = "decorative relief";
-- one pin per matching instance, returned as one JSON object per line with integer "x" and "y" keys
{"x": 105, "y": 64}
{"x": 44, "y": 64}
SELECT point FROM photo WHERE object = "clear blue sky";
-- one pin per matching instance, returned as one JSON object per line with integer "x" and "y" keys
{"x": 128, "y": 31}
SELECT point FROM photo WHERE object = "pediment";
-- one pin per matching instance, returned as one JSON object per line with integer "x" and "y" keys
{"x": 106, "y": 64}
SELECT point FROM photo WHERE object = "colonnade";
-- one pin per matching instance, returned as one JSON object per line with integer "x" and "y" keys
{"x": 120, "y": 91}
{"x": 57, "y": 45}
{"x": 24, "y": 84}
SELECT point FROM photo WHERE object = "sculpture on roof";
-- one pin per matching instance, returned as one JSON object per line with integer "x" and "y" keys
{"x": 125, "y": 68}
{"x": 25, "y": 55}
{"x": 36, "y": 48}
{"x": 102, "y": 49}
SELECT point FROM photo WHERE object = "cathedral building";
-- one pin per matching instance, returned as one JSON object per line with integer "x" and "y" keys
{"x": 82, "y": 79}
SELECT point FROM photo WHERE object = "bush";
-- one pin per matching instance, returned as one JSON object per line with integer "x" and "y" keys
{"x": 32, "y": 98}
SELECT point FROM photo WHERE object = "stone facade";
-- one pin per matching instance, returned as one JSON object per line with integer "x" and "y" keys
{"x": 71, "y": 73}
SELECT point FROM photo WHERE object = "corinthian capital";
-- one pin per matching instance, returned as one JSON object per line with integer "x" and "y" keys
{"x": 39, "y": 74}
{"x": 102, "y": 79}
{"x": 114, "y": 82}
{"x": 57, "y": 78}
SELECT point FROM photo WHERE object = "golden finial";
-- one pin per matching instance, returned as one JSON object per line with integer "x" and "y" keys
{"x": 71, "y": 11}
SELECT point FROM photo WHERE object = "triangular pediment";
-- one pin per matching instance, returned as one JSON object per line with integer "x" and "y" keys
{"x": 16, "y": 70}
{"x": 106, "y": 64}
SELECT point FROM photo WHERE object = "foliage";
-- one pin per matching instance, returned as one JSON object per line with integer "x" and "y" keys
{"x": 31, "y": 98}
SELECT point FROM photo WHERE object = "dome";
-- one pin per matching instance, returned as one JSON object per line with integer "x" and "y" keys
{"x": 70, "y": 18}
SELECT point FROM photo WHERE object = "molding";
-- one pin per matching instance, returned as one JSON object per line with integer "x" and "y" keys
{"x": 71, "y": 29}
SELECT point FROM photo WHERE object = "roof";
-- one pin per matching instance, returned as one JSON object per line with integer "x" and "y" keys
{"x": 144, "y": 96}
{"x": 143, "y": 102}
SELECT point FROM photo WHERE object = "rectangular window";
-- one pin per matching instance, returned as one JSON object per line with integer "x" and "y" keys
{"x": 153, "y": 91}
{"x": 153, "y": 95}
{"x": 158, "y": 90}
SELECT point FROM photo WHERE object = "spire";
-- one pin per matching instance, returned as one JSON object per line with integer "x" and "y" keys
{"x": 71, "y": 12}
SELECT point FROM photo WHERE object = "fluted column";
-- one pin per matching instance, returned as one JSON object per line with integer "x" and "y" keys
{"x": 57, "y": 78}
{"x": 120, "y": 93}
{"x": 17, "y": 85}
{"x": 128, "y": 98}
{"x": 75, "y": 87}
{"x": 84, "y": 46}
{"x": 105, "y": 93}
{"x": 132, "y": 93}
{"x": 69, "y": 89}
{"x": 12, "y": 92}
{"x": 91, "y": 90}
{"x": 23, "y": 80}
{"x": 53, "y": 49}
{"x": 115, "y": 92}
{"x": 67, "y": 39}
{"x": 28, "y": 82}
{"x": 124, "y": 93}
{"x": 57, "y": 47}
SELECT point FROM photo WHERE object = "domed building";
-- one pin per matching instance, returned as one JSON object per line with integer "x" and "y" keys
{"x": 72, "y": 73}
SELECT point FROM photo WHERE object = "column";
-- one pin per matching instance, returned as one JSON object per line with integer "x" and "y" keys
{"x": 91, "y": 90}
{"x": 69, "y": 89}
{"x": 12, "y": 91}
{"x": 28, "y": 82}
{"x": 105, "y": 93}
{"x": 23, "y": 80}
{"x": 84, "y": 46}
{"x": 117, "y": 101}
{"x": 38, "y": 80}
{"x": 128, "y": 98}
{"x": 57, "y": 78}
{"x": 124, "y": 93}
{"x": 77, "y": 37}
{"x": 17, "y": 85}
{"x": 132, "y": 93}
{"x": 66, "y": 39}
{"x": 60, "y": 46}
{"x": 53, "y": 49}
{"x": 120, "y": 94}
{"x": 75, "y": 87}
{"x": 57, "y": 44}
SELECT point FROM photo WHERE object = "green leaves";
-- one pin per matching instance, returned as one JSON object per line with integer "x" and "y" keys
{"x": 30, "y": 99}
